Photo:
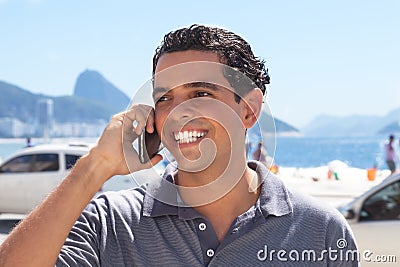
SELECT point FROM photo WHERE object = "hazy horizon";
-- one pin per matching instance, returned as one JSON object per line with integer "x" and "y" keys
{"x": 337, "y": 58}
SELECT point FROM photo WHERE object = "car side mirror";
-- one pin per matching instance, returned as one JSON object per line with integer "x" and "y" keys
{"x": 349, "y": 214}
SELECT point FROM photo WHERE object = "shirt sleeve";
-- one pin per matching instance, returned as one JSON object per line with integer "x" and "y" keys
{"x": 81, "y": 248}
{"x": 341, "y": 244}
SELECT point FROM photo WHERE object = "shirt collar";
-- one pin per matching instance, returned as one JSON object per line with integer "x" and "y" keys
{"x": 274, "y": 197}
{"x": 161, "y": 188}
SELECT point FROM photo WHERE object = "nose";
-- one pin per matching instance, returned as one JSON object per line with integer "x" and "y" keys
{"x": 182, "y": 109}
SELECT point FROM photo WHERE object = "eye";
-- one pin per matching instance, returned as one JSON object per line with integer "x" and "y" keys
{"x": 161, "y": 99}
{"x": 202, "y": 94}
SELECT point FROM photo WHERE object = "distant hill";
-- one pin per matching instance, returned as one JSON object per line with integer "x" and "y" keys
{"x": 392, "y": 123}
{"x": 392, "y": 116}
{"x": 94, "y": 99}
{"x": 353, "y": 125}
{"x": 93, "y": 86}
{"x": 390, "y": 128}
{"x": 75, "y": 109}
{"x": 281, "y": 127}
{"x": 19, "y": 103}
{"x": 16, "y": 102}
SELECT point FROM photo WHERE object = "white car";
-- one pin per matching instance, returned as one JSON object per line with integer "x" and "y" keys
{"x": 375, "y": 220}
{"x": 29, "y": 175}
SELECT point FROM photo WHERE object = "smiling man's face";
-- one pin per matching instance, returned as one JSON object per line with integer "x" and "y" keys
{"x": 195, "y": 102}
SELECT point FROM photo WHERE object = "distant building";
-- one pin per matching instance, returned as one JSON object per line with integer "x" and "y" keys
{"x": 79, "y": 129}
{"x": 45, "y": 117}
{"x": 12, "y": 127}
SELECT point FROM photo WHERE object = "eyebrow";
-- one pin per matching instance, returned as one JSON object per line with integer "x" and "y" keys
{"x": 163, "y": 90}
{"x": 201, "y": 84}
{"x": 159, "y": 90}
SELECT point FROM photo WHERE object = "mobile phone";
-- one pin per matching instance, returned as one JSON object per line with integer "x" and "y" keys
{"x": 149, "y": 144}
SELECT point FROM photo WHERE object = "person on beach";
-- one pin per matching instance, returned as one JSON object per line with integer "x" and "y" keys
{"x": 390, "y": 154}
{"x": 213, "y": 208}
{"x": 28, "y": 142}
{"x": 260, "y": 155}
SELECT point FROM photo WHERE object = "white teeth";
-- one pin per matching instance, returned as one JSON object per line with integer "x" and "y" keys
{"x": 188, "y": 137}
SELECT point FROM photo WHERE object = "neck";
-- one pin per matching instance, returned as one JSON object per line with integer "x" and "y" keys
{"x": 220, "y": 198}
{"x": 238, "y": 200}
{"x": 206, "y": 186}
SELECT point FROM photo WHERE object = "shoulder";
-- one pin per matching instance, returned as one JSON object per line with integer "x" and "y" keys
{"x": 123, "y": 196}
{"x": 126, "y": 203}
{"x": 303, "y": 210}
{"x": 305, "y": 205}
{"x": 321, "y": 217}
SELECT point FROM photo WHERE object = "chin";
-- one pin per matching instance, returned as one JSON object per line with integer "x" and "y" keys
{"x": 194, "y": 165}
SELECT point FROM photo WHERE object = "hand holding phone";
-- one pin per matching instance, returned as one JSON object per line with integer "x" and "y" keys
{"x": 149, "y": 145}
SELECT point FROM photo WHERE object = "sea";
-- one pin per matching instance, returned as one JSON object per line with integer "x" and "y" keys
{"x": 302, "y": 152}
{"x": 306, "y": 152}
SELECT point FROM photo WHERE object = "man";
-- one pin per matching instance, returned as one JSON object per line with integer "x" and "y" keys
{"x": 260, "y": 155}
{"x": 390, "y": 154}
{"x": 213, "y": 209}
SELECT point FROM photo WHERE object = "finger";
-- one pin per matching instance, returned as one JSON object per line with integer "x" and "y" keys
{"x": 128, "y": 128}
{"x": 139, "y": 116}
{"x": 145, "y": 119}
{"x": 131, "y": 158}
{"x": 150, "y": 122}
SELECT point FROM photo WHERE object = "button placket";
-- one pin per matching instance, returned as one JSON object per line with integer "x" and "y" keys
{"x": 208, "y": 239}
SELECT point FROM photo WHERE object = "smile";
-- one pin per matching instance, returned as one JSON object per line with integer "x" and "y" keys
{"x": 188, "y": 136}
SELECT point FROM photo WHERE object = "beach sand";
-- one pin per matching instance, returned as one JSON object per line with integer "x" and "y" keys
{"x": 322, "y": 183}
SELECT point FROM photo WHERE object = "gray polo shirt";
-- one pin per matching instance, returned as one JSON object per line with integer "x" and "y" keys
{"x": 132, "y": 228}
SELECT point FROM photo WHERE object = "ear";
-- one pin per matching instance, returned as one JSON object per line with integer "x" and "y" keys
{"x": 252, "y": 104}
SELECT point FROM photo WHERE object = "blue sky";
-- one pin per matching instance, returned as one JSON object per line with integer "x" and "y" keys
{"x": 325, "y": 57}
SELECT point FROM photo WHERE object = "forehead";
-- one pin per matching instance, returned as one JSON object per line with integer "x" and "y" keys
{"x": 183, "y": 67}
{"x": 174, "y": 58}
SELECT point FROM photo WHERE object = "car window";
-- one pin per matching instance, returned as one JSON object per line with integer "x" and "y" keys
{"x": 17, "y": 164}
{"x": 70, "y": 160}
{"x": 45, "y": 163}
{"x": 383, "y": 205}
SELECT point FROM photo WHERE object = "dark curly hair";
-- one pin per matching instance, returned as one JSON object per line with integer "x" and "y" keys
{"x": 232, "y": 50}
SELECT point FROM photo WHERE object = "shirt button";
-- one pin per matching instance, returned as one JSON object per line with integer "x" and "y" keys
{"x": 202, "y": 226}
{"x": 210, "y": 253}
